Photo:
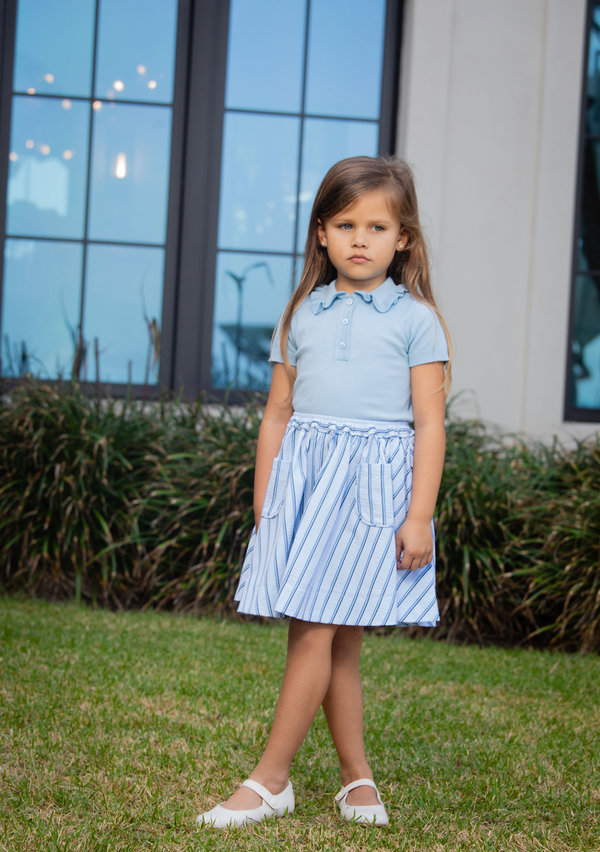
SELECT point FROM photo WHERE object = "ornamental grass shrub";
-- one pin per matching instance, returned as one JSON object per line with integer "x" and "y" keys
{"x": 123, "y": 503}
{"x": 130, "y": 504}
{"x": 518, "y": 530}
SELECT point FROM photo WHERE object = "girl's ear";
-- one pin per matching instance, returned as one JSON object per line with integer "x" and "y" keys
{"x": 320, "y": 231}
{"x": 402, "y": 240}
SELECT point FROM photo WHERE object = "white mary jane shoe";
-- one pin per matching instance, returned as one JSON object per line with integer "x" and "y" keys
{"x": 279, "y": 805}
{"x": 373, "y": 814}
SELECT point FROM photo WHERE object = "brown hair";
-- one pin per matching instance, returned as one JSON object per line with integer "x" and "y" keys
{"x": 343, "y": 185}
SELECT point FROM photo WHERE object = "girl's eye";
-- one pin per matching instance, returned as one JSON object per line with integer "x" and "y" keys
{"x": 378, "y": 227}
{"x": 346, "y": 225}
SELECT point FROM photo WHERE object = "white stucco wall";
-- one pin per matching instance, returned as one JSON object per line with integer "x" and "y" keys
{"x": 489, "y": 119}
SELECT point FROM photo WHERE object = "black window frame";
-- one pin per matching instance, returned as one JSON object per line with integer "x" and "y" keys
{"x": 194, "y": 187}
{"x": 572, "y": 413}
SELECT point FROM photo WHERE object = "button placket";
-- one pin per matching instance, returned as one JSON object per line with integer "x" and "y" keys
{"x": 342, "y": 336}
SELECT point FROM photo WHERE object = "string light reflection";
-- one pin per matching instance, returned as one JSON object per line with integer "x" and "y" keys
{"x": 121, "y": 167}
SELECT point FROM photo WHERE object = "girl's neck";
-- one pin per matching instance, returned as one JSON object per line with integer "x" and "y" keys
{"x": 348, "y": 285}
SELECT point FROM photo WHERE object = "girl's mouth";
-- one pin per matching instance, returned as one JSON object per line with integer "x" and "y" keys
{"x": 358, "y": 258}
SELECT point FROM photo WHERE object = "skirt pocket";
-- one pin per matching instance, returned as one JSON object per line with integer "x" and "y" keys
{"x": 276, "y": 488}
{"x": 375, "y": 494}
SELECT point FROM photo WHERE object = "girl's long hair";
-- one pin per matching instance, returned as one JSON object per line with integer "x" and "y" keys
{"x": 343, "y": 185}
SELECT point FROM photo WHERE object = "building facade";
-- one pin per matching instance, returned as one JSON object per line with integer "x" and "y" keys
{"x": 495, "y": 108}
{"x": 161, "y": 158}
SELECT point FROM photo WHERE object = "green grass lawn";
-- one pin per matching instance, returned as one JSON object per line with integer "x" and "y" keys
{"x": 116, "y": 730}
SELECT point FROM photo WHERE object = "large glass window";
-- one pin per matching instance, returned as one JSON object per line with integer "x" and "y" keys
{"x": 583, "y": 384}
{"x": 87, "y": 188}
{"x": 161, "y": 158}
{"x": 297, "y": 100}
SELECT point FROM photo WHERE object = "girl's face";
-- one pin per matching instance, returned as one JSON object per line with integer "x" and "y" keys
{"x": 361, "y": 241}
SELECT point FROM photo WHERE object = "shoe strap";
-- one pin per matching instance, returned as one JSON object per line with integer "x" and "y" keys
{"x": 362, "y": 782}
{"x": 265, "y": 794}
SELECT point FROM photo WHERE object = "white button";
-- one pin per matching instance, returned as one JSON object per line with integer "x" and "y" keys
{"x": 345, "y": 321}
{"x": 348, "y": 301}
{"x": 342, "y": 345}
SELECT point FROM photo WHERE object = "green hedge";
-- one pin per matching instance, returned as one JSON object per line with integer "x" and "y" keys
{"x": 133, "y": 505}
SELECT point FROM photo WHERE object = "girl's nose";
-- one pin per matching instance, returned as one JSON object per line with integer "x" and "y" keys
{"x": 360, "y": 238}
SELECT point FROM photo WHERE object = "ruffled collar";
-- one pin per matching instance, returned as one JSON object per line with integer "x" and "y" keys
{"x": 383, "y": 297}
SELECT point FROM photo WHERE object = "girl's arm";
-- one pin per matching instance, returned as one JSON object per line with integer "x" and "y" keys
{"x": 274, "y": 422}
{"x": 429, "y": 404}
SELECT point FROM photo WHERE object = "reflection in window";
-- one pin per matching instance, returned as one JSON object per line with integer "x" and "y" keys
{"x": 54, "y": 118}
{"x": 252, "y": 290}
{"x": 40, "y": 310}
{"x": 123, "y": 304}
{"x": 344, "y": 76}
{"x": 272, "y": 165}
{"x": 586, "y": 342}
{"x": 48, "y": 167}
{"x": 130, "y": 173}
{"x": 592, "y": 117}
{"x": 258, "y": 182}
{"x": 584, "y": 381}
{"x": 136, "y": 50}
{"x": 54, "y": 47}
{"x": 263, "y": 72}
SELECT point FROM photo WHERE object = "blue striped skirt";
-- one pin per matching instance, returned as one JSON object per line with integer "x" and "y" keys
{"x": 325, "y": 548}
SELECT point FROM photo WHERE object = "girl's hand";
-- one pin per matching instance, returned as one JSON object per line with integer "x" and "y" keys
{"x": 414, "y": 538}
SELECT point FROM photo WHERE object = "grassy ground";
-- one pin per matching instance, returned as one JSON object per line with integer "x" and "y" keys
{"x": 116, "y": 730}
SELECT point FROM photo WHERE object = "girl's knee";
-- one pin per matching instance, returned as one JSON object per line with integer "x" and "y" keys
{"x": 348, "y": 638}
{"x": 350, "y": 633}
{"x": 310, "y": 635}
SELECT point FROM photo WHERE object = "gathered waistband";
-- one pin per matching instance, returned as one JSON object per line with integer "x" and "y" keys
{"x": 327, "y": 420}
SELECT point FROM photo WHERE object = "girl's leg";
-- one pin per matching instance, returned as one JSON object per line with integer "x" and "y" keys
{"x": 306, "y": 680}
{"x": 343, "y": 706}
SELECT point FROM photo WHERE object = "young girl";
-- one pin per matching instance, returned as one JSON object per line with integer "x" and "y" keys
{"x": 345, "y": 490}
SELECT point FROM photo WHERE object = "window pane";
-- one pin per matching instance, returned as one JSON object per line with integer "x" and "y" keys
{"x": 54, "y": 46}
{"x": 136, "y": 50}
{"x": 130, "y": 173}
{"x": 40, "y": 310}
{"x": 585, "y": 343}
{"x": 48, "y": 167}
{"x": 266, "y": 54}
{"x": 589, "y": 242}
{"x": 593, "y": 86}
{"x": 326, "y": 142}
{"x": 258, "y": 182}
{"x": 123, "y": 302}
{"x": 345, "y": 54}
{"x": 252, "y": 291}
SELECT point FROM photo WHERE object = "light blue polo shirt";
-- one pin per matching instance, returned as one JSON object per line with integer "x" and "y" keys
{"x": 353, "y": 352}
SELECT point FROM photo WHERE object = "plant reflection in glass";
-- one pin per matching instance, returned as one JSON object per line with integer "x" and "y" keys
{"x": 18, "y": 361}
{"x": 247, "y": 340}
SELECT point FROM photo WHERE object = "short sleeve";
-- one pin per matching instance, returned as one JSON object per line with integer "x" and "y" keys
{"x": 276, "y": 346}
{"x": 426, "y": 339}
